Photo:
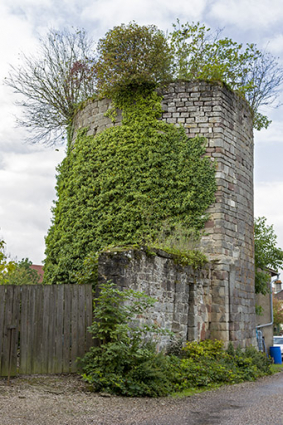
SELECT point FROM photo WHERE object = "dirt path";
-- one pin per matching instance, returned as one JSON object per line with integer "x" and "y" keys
{"x": 65, "y": 400}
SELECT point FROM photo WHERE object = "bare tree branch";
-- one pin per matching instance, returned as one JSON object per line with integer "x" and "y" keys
{"x": 53, "y": 83}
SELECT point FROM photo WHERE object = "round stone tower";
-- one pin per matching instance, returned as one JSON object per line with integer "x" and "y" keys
{"x": 213, "y": 111}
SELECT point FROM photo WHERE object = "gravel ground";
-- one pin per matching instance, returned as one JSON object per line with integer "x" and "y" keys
{"x": 65, "y": 400}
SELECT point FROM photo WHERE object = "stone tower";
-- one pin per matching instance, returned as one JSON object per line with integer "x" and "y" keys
{"x": 213, "y": 111}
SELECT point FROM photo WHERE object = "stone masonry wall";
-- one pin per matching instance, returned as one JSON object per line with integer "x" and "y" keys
{"x": 224, "y": 119}
{"x": 93, "y": 118}
{"x": 183, "y": 295}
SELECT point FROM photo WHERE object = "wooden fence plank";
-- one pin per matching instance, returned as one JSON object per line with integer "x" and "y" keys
{"x": 74, "y": 328}
{"x": 45, "y": 329}
{"x": 67, "y": 328}
{"x": 59, "y": 330}
{"x": 37, "y": 352}
{"x": 30, "y": 329}
{"x": 81, "y": 322}
{"x": 7, "y": 331}
{"x": 14, "y": 331}
{"x": 89, "y": 316}
{"x": 2, "y": 315}
{"x": 51, "y": 329}
{"x": 5, "y": 342}
{"x": 24, "y": 331}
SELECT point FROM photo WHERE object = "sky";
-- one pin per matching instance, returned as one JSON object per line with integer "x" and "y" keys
{"x": 27, "y": 171}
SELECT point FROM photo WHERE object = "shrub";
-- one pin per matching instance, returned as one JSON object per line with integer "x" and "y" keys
{"x": 206, "y": 364}
{"x": 125, "y": 360}
{"x": 207, "y": 348}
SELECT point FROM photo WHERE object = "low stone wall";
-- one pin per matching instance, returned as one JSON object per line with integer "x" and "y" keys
{"x": 183, "y": 295}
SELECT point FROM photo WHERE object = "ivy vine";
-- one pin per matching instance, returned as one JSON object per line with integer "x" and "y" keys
{"x": 121, "y": 186}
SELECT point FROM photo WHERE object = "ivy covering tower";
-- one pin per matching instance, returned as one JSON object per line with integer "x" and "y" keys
{"x": 121, "y": 186}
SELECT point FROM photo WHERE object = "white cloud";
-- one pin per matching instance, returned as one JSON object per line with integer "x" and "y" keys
{"x": 27, "y": 189}
{"x": 274, "y": 133}
{"x": 108, "y": 13}
{"x": 274, "y": 44}
{"x": 248, "y": 14}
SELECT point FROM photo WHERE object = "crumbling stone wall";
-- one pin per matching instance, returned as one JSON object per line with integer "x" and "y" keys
{"x": 183, "y": 295}
{"x": 213, "y": 111}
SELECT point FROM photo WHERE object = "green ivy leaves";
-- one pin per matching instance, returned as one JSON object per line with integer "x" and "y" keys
{"x": 120, "y": 186}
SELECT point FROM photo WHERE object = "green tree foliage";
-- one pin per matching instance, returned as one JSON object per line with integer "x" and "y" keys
{"x": 245, "y": 69}
{"x": 16, "y": 273}
{"x": 6, "y": 266}
{"x": 121, "y": 185}
{"x": 65, "y": 71}
{"x": 131, "y": 56}
{"x": 277, "y": 314}
{"x": 267, "y": 254}
{"x": 23, "y": 274}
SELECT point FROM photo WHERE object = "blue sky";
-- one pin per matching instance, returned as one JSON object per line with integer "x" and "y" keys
{"x": 27, "y": 172}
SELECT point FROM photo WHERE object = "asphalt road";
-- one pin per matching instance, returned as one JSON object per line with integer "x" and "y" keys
{"x": 257, "y": 403}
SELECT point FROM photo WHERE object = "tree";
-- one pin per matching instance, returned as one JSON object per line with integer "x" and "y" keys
{"x": 199, "y": 54}
{"x": 53, "y": 83}
{"x": 23, "y": 274}
{"x": 16, "y": 273}
{"x": 6, "y": 267}
{"x": 267, "y": 254}
{"x": 132, "y": 56}
{"x": 277, "y": 314}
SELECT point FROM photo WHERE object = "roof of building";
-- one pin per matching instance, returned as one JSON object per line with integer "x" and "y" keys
{"x": 39, "y": 270}
{"x": 279, "y": 295}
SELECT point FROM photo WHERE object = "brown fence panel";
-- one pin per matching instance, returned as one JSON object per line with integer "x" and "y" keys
{"x": 67, "y": 331}
{"x": 2, "y": 315}
{"x": 52, "y": 321}
{"x": 9, "y": 329}
{"x": 74, "y": 328}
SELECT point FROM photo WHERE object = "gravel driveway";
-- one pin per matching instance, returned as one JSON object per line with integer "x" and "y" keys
{"x": 65, "y": 400}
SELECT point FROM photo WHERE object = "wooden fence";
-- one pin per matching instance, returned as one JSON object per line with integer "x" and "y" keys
{"x": 43, "y": 328}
